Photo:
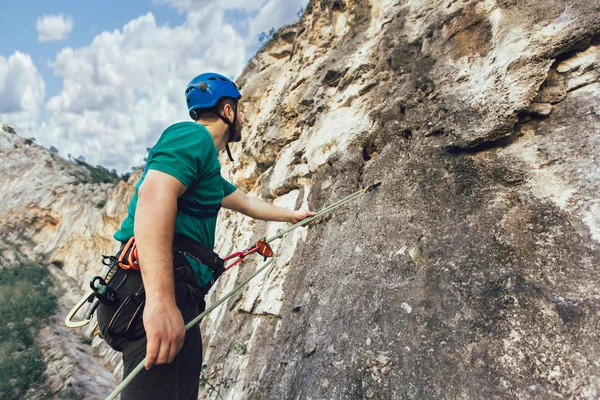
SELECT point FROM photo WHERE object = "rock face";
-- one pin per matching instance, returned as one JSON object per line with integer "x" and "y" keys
{"x": 52, "y": 209}
{"x": 471, "y": 273}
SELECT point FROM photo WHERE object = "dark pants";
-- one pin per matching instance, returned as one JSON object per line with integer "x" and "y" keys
{"x": 179, "y": 379}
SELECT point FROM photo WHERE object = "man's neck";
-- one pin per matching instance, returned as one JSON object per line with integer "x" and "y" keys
{"x": 218, "y": 131}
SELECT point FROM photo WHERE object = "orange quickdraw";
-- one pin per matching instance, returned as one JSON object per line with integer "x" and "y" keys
{"x": 128, "y": 259}
{"x": 261, "y": 247}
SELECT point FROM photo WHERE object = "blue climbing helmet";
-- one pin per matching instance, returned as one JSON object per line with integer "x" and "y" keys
{"x": 203, "y": 93}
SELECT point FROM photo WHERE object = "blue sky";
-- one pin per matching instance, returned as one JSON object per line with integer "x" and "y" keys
{"x": 90, "y": 74}
{"x": 18, "y": 23}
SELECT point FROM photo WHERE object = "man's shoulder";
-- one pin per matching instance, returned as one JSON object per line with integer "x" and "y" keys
{"x": 189, "y": 138}
{"x": 185, "y": 134}
{"x": 186, "y": 128}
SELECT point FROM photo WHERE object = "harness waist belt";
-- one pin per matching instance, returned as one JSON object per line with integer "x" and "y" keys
{"x": 200, "y": 252}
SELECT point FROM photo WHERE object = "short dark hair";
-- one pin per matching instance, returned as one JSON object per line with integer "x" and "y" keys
{"x": 209, "y": 115}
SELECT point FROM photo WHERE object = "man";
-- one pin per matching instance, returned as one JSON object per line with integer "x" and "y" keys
{"x": 176, "y": 200}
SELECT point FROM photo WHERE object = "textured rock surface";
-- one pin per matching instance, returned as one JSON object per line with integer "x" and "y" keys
{"x": 51, "y": 207}
{"x": 472, "y": 273}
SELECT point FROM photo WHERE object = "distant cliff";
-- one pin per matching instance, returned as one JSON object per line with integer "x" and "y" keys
{"x": 472, "y": 273}
{"x": 59, "y": 213}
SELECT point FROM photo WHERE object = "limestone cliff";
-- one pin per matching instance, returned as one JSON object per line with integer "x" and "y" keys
{"x": 472, "y": 273}
{"x": 53, "y": 211}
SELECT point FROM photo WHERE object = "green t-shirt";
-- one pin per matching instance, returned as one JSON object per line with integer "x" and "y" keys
{"x": 187, "y": 152}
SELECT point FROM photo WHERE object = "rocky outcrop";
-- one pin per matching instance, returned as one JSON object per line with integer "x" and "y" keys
{"x": 54, "y": 212}
{"x": 473, "y": 271}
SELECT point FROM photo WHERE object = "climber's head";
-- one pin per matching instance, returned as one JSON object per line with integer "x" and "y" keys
{"x": 213, "y": 98}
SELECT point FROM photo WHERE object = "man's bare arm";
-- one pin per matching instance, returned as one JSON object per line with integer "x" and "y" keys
{"x": 155, "y": 216}
{"x": 260, "y": 209}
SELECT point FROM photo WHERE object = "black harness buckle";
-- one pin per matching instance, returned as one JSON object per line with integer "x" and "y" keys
{"x": 104, "y": 293}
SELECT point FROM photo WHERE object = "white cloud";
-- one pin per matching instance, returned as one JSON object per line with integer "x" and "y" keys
{"x": 127, "y": 86}
{"x": 262, "y": 14}
{"x": 53, "y": 27}
{"x": 22, "y": 92}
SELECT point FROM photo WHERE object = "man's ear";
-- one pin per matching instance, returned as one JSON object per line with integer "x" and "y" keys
{"x": 228, "y": 111}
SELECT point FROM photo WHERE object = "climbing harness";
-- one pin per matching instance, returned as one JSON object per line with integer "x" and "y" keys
{"x": 126, "y": 320}
{"x": 262, "y": 247}
{"x": 132, "y": 305}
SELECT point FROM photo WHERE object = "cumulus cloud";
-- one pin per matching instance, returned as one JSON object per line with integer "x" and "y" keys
{"x": 186, "y": 6}
{"x": 53, "y": 27}
{"x": 120, "y": 92}
{"x": 22, "y": 92}
{"x": 261, "y": 15}
{"x": 127, "y": 86}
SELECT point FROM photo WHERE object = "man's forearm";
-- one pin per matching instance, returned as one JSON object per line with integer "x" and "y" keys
{"x": 154, "y": 226}
{"x": 260, "y": 209}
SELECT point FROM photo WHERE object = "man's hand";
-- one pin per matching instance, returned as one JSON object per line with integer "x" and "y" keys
{"x": 299, "y": 215}
{"x": 165, "y": 332}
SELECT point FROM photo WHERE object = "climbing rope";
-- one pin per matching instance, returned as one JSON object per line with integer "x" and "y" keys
{"x": 335, "y": 205}
{"x": 262, "y": 246}
{"x": 280, "y": 234}
{"x": 193, "y": 322}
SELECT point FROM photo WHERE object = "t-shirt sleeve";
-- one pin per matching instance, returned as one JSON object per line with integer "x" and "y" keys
{"x": 228, "y": 188}
{"x": 181, "y": 153}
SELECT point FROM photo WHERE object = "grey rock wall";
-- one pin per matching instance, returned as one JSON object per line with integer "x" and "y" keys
{"x": 473, "y": 271}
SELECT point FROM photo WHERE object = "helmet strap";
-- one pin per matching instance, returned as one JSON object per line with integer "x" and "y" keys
{"x": 231, "y": 130}
{"x": 228, "y": 152}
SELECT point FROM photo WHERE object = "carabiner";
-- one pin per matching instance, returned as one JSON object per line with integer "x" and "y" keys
{"x": 239, "y": 254}
{"x": 87, "y": 298}
{"x": 261, "y": 247}
{"x": 128, "y": 259}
